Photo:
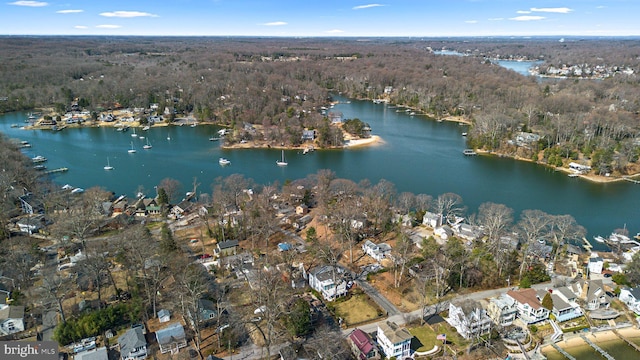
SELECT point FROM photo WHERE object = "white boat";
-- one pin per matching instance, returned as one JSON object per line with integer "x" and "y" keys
{"x": 77, "y": 191}
{"x": 572, "y": 175}
{"x": 108, "y": 166}
{"x": 599, "y": 239}
{"x": 134, "y": 133}
{"x": 147, "y": 145}
{"x": 132, "y": 150}
{"x": 38, "y": 159}
{"x": 282, "y": 162}
{"x": 213, "y": 138}
{"x": 168, "y": 137}
{"x": 464, "y": 134}
{"x": 194, "y": 125}
{"x": 223, "y": 161}
{"x": 469, "y": 152}
{"x": 146, "y": 128}
{"x": 141, "y": 137}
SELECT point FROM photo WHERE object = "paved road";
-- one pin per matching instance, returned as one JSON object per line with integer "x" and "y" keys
{"x": 379, "y": 299}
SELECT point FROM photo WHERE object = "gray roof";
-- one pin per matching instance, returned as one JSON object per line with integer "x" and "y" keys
{"x": 172, "y": 333}
{"x": 566, "y": 292}
{"x": 559, "y": 304}
{"x": 163, "y": 312}
{"x": 635, "y": 292}
{"x": 325, "y": 272}
{"x": 132, "y": 339}
{"x": 227, "y": 244}
{"x": 95, "y": 354}
{"x": 12, "y": 312}
{"x": 395, "y": 334}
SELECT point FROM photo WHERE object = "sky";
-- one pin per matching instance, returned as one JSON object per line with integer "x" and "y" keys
{"x": 321, "y": 18}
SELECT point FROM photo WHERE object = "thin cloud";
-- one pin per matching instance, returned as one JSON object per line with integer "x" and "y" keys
{"x": 495, "y": 19}
{"x": 561, "y": 10}
{"x": 81, "y": 27}
{"x": 127, "y": 14}
{"x": 275, "y": 23}
{"x": 360, "y": 7}
{"x": 30, "y": 3}
{"x": 527, "y": 18}
{"x": 334, "y": 31}
{"x": 108, "y": 26}
{"x": 471, "y": 21}
{"x": 523, "y": 12}
{"x": 69, "y": 11}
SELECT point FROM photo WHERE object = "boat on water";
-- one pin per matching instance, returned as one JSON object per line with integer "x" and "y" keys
{"x": 40, "y": 167}
{"x": 464, "y": 134}
{"x": 214, "y": 138}
{"x": 282, "y": 161}
{"x": 38, "y": 159}
{"x": 599, "y": 239}
{"x": 194, "y": 125}
{"x": 469, "y": 152}
{"x": 147, "y": 145}
{"x": 134, "y": 133}
{"x": 108, "y": 166}
{"x": 132, "y": 150}
{"x": 168, "y": 137}
{"x": 14, "y": 125}
{"x": 147, "y": 127}
{"x": 223, "y": 161}
{"x": 573, "y": 175}
{"x": 77, "y": 191}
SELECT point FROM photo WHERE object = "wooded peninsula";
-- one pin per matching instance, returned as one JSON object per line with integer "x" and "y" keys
{"x": 584, "y": 112}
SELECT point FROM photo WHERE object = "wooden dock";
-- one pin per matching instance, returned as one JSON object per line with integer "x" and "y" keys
{"x": 55, "y": 171}
{"x": 627, "y": 341}
{"x": 631, "y": 180}
{"x": 561, "y": 351}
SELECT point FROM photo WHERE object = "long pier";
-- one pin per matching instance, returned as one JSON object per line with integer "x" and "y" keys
{"x": 633, "y": 345}
{"x": 58, "y": 170}
{"x": 597, "y": 348}
{"x": 561, "y": 351}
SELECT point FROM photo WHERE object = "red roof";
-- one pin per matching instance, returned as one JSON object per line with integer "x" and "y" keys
{"x": 362, "y": 341}
{"x": 525, "y": 296}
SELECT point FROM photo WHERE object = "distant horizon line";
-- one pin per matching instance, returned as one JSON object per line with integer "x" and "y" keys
{"x": 328, "y": 36}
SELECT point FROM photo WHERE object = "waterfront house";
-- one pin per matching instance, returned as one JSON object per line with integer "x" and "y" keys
{"x": 182, "y": 208}
{"x": 502, "y": 310}
{"x": 596, "y": 297}
{"x": 31, "y": 224}
{"x": 596, "y": 263}
{"x": 362, "y": 345}
{"x": 227, "y": 247}
{"x": 11, "y": 320}
{"x": 444, "y": 232}
{"x": 394, "y": 341}
{"x": 530, "y": 310}
{"x": 376, "y": 251}
{"x": 171, "y": 338}
{"x": 133, "y": 345}
{"x": 432, "y": 220}
{"x": 467, "y": 232}
{"x": 308, "y": 135}
{"x": 151, "y": 206}
{"x": 302, "y": 209}
{"x": 562, "y": 310}
{"x": 469, "y": 318}
{"x": 631, "y": 297}
{"x": 329, "y": 281}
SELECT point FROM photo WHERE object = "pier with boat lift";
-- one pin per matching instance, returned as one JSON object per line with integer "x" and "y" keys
{"x": 55, "y": 171}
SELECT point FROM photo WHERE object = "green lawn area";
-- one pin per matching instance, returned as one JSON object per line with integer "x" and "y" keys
{"x": 426, "y": 337}
{"x": 454, "y": 339}
{"x": 356, "y": 309}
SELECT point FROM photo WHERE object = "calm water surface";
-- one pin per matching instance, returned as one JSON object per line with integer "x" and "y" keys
{"x": 418, "y": 155}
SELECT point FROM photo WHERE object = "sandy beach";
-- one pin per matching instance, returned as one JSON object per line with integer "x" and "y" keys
{"x": 373, "y": 140}
{"x": 574, "y": 342}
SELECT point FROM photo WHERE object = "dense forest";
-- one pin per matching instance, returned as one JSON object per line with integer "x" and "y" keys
{"x": 280, "y": 84}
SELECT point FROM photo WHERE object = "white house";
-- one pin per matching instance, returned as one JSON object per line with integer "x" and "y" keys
{"x": 631, "y": 297}
{"x": 469, "y": 318}
{"x": 11, "y": 320}
{"x": 432, "y": 220}
{"x": 595, "y": 264}
{"x": 329, "y": 281}
{"x": 596, "y": 297}
{"x": 563, "y": 309}
{"x": 444, "y": 232}
{"x": 530, "y": 310}
{"x": 502, "y": 310}
{"x": 376, "y": 251}
{"x": 394, "y": 341}
{"x": 94, "y": 354}
{"x": 467, "y": 232}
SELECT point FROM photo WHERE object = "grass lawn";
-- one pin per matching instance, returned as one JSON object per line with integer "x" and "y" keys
{"x": 454, "y": 340}
{"x": 357, "y": 309}
{"x": 426, "y": 338}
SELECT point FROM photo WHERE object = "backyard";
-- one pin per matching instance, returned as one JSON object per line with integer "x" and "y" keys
{"x": 358, "y": 308}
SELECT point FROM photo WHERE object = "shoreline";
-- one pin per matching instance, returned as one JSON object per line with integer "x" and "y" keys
{"x": 598, "y": 179}
{"x": 575, "y": 341}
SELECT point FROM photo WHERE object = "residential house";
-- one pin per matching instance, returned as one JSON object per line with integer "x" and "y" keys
{"x": 302, "y": 209}
{"x": 530, "y": 310}
{"x": 405, "y": 220}
{"x": 562, "y": 310}
{"x": 164, "y": 315}
{"x": 432, "y": 220}
{"x": 335, "y": 117}
{"x": 95, "y": 354}
{"x": 596, "y": 297}
{"x": 469, "y": 318}
{"x": 596, "y": 263}
{"x": 171, "y": 338}
{"x": 394, "y": 341}
{"x": 132, "y": 344}
{"x": 227, "y": 247}
{"x": 11, "y": 320}
{"x": 502, "y": 310}
{"x": 376, "y": 251}
{"x": 329, "y": 281}
{"x": 233, "y": 262}
{"x": 362, "y": 345}
{"x": 207, "y": 310}
{"x": 31, "y": 224}
{"x": 444, "y": 232}
{"x": 631, "y": 297}
{"x": 308, "y": 135}
{"x": 182, "y": 208}
{"x": 467, "y": 232}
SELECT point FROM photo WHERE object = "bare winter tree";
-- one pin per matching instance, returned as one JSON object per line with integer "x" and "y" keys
{"x": 449, "y": 205}
{"x": 533, "y": 225}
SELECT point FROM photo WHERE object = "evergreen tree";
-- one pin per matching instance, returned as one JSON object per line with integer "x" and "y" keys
{"x": 547, "y": 302}
{"x": 167, "y": 242}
